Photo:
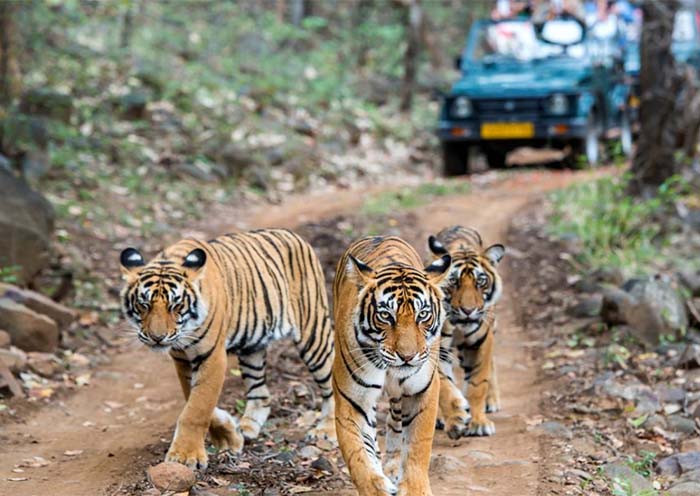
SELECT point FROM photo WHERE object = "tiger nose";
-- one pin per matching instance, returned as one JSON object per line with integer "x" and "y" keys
{"x": 158, "y": 339}
{"x": 406, "y": 357}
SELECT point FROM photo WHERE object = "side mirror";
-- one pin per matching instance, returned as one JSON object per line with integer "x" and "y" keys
{"x": 458, "y": 62}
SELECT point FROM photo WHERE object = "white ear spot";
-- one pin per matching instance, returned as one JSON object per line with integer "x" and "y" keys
{"x": 192, "y": 258}
{"x": 439, "y": 262}
{"x": 134, "y": 257}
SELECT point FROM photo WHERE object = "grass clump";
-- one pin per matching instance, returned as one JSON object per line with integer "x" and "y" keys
{"x": 411, "y": 197}
{"x": 613, "y": 228}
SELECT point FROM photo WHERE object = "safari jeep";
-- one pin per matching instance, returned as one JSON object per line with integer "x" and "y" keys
{"x": 545, "y": 86}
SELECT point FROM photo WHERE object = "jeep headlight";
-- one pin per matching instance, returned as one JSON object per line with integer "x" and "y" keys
{"x": 461, "y": 107}
{"x": 558, "y": 104}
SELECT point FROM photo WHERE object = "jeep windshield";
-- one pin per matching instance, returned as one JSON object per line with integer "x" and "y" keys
{"x": 515, "y": 41}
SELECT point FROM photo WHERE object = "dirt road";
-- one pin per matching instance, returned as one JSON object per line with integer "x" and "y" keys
{"x": 122, "y": 421}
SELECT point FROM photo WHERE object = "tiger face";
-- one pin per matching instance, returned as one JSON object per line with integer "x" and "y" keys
{"x": 162, "y": 300}
{"x": 473, "y": 285}
{"x": 399, "y": 315}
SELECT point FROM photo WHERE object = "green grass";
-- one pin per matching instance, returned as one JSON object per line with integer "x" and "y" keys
{"x": 409, "y": 198}
{"x": 614, "y": 229}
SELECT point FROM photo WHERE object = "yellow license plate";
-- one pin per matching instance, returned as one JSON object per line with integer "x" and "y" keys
{"x": 506, "y": 130}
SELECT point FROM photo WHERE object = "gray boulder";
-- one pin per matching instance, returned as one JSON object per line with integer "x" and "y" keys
{"x": 26, "y": 226}
{"x": 655, "y": 308}
{"x": 684, "y": 489}
{"x": 29, "y": 330}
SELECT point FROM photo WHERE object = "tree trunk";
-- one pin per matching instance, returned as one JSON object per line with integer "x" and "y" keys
{"x": 413, "y": 36}
{"x": 660, "y": 83}
{"x": 297, "y": 11}
{"x": 127, "y": 27}
{"x": 360, "y": 15}
{"x": 9, "y": 67}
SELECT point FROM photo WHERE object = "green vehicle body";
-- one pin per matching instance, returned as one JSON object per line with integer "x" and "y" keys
{"x": 507, "y": 92}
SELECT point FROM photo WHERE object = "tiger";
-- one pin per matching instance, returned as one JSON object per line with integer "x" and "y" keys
{"x": 199, "y": 300}
{"x": 473, "y": 289}
{"x": 388, "y": 315}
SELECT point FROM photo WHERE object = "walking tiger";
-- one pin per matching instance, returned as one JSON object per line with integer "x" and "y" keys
{"x": 388, "y": 316}
{"x": 199, "y": 300}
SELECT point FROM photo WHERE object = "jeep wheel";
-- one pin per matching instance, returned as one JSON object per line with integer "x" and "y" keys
{"x": 591, "y": 144}
{"x": 626, "y": 134}
{"x": 495, "y": 158}
{"x": 455, "y": 158}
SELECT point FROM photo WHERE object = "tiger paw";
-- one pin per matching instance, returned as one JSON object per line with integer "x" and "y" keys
{"x": 250, "y": 428}
{"x": 381, "y": 485}
{"x": 493, "y": 406}
{"x": 392, "y": 468}
{"x": 224, "y": 432}
{"x": 194, "y": 457}
{"x": 325, "y": 430}
{"x": 482, "y": 428}
{"x": 456, "y": 426}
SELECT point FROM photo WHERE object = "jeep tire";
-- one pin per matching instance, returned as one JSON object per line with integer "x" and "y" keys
{"x": 455, "y": 156}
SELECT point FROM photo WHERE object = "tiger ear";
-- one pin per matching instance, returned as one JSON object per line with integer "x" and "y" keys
{"x": 194, "y": 261}
{"x": 436, "y": 247}
{"x": 359, "y": 271}
{"x": 131, "y": 262}
{"x": 438, "y": 270}
{"x": 495, "y": 253}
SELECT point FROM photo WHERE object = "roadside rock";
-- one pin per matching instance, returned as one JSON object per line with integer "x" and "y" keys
{"x": 62, "y": 315}
{"x": 26, "y": 225}
{"x": 622, "y": 472}
{"x": 28, "y": 330}
{"x": 14, "y": 358}
{"x": 684, "y": 489}
{"x": 690, "y": 358}
{"x": 322, "y": 463}
{"x": 679, "y": 463}
{"x": 5, "y": 339}
{"x": 691, "y": 280}
{"x": 654, "y": 421}
{"x": 678, "y": 423}
{"x": 656, "y": 309}
{"x": 169, "y": 476}
{"x": 589, "y": 306}
{"x": 44, "y": 364}
{"x": 614, "y": 299}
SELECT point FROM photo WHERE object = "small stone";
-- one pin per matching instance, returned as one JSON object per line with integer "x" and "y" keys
{"x": 678, "y": 423}
{"x": 322, "y": 463}
{"x": 5, "y": 339}
{"x": 169, "y": 476}
{"x": 654, "y": 421}
{"x": 555, "y": 429}
{"x": 44, "y": 364}
{"x": 574, "y": 472}
{"x": 78, "y": 361}
{"x": 670, "y": 394}
{"x": 310, "y": 452}
{"x": 285, "y": 456}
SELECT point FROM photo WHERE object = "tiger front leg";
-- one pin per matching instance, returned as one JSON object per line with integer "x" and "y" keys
{"x": 418, "y": 420}
{"x": 224, "y": 431}
{"x": 453, "y": 406}
{"x": 355, "y": 424}
{"x": 206, "y": 382}
{"x": 257, "y": 407}
{"x": 493, "y": 398}
{"x": 394, "y": 441}
{"x": 478, "y": 367}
